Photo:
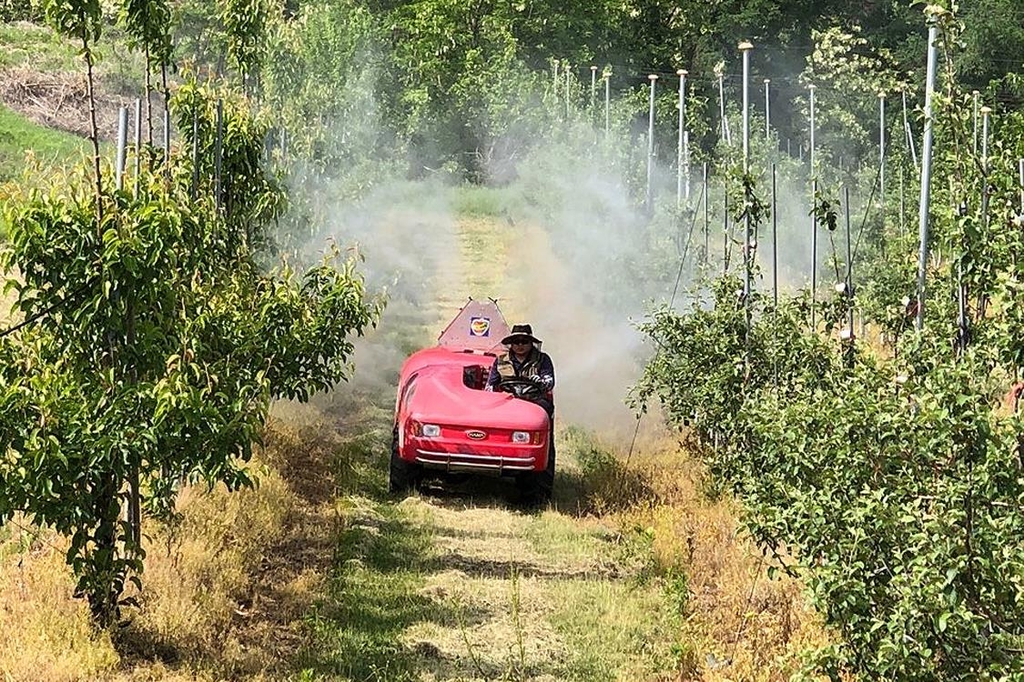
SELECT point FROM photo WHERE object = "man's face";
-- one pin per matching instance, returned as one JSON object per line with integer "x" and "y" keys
{"x": 520, "y": 346}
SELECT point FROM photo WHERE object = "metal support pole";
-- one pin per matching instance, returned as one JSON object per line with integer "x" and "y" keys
{"x": 650, "y": 145}
{"x": 686, "y": 165}
{"x": 881, "y": 155}
{"x": 903, "y": 201}
{"x": 974, "y": 130}
{"x": 814, "y": 252}
{"x": 908, "y": 131}
{"x": 926, "y": 173}
{"x": 745, "y": 47}
{"x": 775, "y": 239}
{"x": 811, "y": 150}
{"x": 721, "y": 109}
{"x": 568, "y": 76}
{"x": 607, "y": 103}
{"x": 985, "y": 112}
{"x": 593, "y": 87}
{"x": 680, "y": 172}
{"x": 767, "y": 112}
{"x": 122, "y": 146}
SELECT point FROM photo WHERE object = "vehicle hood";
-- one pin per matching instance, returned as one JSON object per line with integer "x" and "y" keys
{"x": 442, "y": 397}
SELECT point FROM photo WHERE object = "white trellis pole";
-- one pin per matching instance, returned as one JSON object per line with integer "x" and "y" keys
{"x": 607, "y": 103}
{"x": 650, "y": 144}
{"x": 680, "y": 156}
{"x": 926, "y": 173}
{"x": 748, "y": 237}
{"x": 810, "y": 88}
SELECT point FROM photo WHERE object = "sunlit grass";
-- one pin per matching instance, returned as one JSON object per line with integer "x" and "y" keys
{"x": 200, "y": 611}
{"x": 370, "y": 598}
{"x": 472, "y": 201}
{"x": 25, "y": 146}
{"x": 39, "y": 47}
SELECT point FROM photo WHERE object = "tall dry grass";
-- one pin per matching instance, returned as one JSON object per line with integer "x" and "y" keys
{"x": 222, "y": 598}
{"x": 738, "y": 623}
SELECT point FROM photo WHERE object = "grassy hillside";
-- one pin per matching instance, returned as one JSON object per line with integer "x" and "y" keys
{"x": 50, "y": 148}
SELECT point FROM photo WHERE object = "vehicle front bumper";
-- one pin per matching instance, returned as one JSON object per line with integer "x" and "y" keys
{"x": 461, "y": 462}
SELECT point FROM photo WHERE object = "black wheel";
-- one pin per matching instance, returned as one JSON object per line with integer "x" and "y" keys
{"x": 537, "y": 487}
{"x": 546, "y": 478}
{"x": 402, "y": 475}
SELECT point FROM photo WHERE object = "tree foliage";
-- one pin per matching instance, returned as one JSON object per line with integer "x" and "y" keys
{"x": 888, "y": 479}
{"x": 155, "y": 341}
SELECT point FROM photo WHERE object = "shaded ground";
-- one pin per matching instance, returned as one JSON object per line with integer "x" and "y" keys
{"x": 464, "y": 585}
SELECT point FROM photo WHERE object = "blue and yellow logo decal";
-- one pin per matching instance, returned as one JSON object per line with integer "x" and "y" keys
{"x": 479, "y": 326}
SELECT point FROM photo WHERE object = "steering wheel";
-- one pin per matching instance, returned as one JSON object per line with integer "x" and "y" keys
{"x": 521, "y": 387}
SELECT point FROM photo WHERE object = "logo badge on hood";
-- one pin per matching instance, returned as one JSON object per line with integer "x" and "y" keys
{"x": 476, "y": 435}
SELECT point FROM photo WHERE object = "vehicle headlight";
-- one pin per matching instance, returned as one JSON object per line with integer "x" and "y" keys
{"x": 520, "y": 436}
{"x": 430, "y": 430}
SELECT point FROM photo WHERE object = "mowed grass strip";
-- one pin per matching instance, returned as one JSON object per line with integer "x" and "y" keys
{"x": 371, "y": 598}
{"x": 465, "y": 586}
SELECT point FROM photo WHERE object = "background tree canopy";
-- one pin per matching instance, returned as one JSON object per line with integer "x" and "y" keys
{"x": 454, "y": 81}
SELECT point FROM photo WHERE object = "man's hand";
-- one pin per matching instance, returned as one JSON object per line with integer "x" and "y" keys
{"x": 545, "y": 381}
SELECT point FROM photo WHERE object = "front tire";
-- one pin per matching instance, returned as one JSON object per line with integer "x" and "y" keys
{"x": 402, "y": 475}
{"x": 546, "y": 478}
{"x": 537, "y": 487}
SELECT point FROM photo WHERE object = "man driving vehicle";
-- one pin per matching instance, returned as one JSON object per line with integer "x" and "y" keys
{"x": 524, "y": 360}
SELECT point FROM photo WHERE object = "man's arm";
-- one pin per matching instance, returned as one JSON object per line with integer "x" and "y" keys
{"x": 493, "y": 377}
{"x": 546, "y": 371}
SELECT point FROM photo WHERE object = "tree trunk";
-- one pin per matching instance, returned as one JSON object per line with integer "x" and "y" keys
{"x": 94, "y": 133}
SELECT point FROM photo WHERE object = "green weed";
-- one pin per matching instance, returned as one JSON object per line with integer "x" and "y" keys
{"x": 472, "y": 201}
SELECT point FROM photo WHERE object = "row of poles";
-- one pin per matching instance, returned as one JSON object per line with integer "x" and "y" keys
{"x": 683, "y": 180}
{"x": 981, "y": 114}
{"x": 683, "y": 165}
{"x": 133, "y": 512}
{"x": 121, "y": 161}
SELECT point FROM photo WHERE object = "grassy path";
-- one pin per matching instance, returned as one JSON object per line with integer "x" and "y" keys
{"x": 461, "y": 584}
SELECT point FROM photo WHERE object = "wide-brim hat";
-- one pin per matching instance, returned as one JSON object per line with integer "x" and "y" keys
{"x": 520, "y": 331}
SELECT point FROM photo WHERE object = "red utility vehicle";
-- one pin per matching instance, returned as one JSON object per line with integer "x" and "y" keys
{"x": 446, "y": 423}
